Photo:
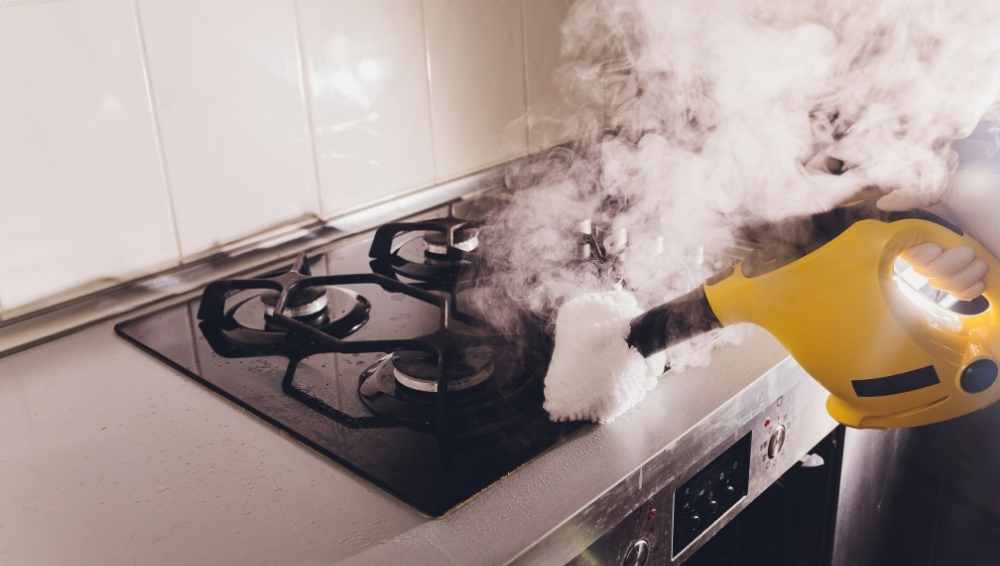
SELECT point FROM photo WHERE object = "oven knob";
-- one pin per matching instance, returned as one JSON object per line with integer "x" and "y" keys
{"x": 637, "y": 555}
{"x": 776, "y": 442}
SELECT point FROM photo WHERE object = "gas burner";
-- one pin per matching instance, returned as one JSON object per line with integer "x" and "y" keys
{"x": 601, "y": 250}
{"x": 420, "y": 371}
{"x": 600, "y": 241}
{"x": 500, "y": 399}
{"x": 465, "y": 240}
{"x": 304, "y": 303}
{"x": 441, "y": 251}
{"x": 336, "y": 310}
{"x": 238, "y": 325}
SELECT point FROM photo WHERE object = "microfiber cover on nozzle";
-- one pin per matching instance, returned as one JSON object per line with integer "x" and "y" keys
{"x": 595, "y": 374}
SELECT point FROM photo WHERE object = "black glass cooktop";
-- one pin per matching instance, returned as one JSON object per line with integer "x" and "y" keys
{"x": 375, "y": 405}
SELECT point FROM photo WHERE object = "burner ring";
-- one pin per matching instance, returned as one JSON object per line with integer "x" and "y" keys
{"x": 302, "y": 303}
{"x": 336, "y": 310}
{"x": 431, "y": 386}
{"x": 299, "y": 311}
{"x": 419, "y": 371}
{"x": 506, "y": 398}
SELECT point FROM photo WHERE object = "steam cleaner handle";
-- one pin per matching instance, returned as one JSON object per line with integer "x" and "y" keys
{"x": 661, "y": 327}
{"x": 917, "y": 231}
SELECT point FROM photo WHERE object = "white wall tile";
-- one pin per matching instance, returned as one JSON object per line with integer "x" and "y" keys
{"x": 551, "y": 118}
{"x": 82, "y": 194}
{"x": 477, "y": 82}
{"x": 227, "y": 87}
{"x": 367, "y": 77}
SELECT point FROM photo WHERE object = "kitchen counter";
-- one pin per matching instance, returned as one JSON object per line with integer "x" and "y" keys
{"x": 110, "y": 457}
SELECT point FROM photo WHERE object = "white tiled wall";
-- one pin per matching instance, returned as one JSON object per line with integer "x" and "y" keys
{"x": 228, "y": 94}
{"x": 548, "y": 113}
{"x": 82, "y": 193}
{"x": 367, "y": 78}
{"x": 136, "y": 134}
{"x": 475, "y": 53}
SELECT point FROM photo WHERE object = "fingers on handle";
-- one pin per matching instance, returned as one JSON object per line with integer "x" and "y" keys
{"x": 970, "y": 276}
{"x": 921, "y": 256}
{"x": 957, "y": 270}
{"x": 893, "y": 202}
{"x": 971, "y": 292}
{"x": 950, "y": 263}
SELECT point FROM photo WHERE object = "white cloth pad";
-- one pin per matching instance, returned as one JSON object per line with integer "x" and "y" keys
{"x": 594, "y": 374}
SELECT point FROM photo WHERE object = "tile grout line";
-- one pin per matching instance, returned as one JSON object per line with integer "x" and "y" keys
{"x": 157, "y": 130}
{"x": 524, "y": 76}
{"x": 307, "y": 101}
{"x": 435, "y": 173}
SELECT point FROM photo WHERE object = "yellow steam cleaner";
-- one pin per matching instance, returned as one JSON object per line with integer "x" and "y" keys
{"x": 891, "y": 350}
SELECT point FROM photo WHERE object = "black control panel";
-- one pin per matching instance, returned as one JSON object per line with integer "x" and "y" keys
{"x": 701, "y": 500}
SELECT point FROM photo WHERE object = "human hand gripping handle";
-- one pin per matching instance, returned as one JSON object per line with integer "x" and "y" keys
{"x": 973, "y": 201}
{"x": 957, "y": 271}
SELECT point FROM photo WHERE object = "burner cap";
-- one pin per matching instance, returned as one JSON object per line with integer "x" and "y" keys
{"x": 339, "y": 312}
{"x": 466, "y": 240}
{"x": 302, "y": 303}
{"x": 420, "y": 371}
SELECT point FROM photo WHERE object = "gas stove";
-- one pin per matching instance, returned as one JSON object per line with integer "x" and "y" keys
{"x": 373, "y": 353}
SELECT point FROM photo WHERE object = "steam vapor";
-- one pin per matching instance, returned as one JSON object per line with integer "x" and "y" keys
{"x": 693, "y": 118}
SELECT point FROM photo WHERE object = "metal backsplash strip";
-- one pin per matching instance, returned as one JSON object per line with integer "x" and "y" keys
{"x": 76, "y": 309}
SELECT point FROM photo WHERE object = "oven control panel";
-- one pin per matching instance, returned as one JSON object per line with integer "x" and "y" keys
{"x": 706, "y": 496}
{"x": 700, "y": 484}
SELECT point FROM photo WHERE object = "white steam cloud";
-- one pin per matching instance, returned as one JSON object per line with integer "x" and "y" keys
{"x": 695, "y": 117}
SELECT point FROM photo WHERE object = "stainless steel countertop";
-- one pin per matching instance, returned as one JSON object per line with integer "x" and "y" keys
{"x": 111, "y": 457}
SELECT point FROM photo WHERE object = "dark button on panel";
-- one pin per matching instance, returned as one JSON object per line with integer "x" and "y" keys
{"x": 713, "y": 490}
{"x": 776, "y": 442}
{"x": 979, "y": 376}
